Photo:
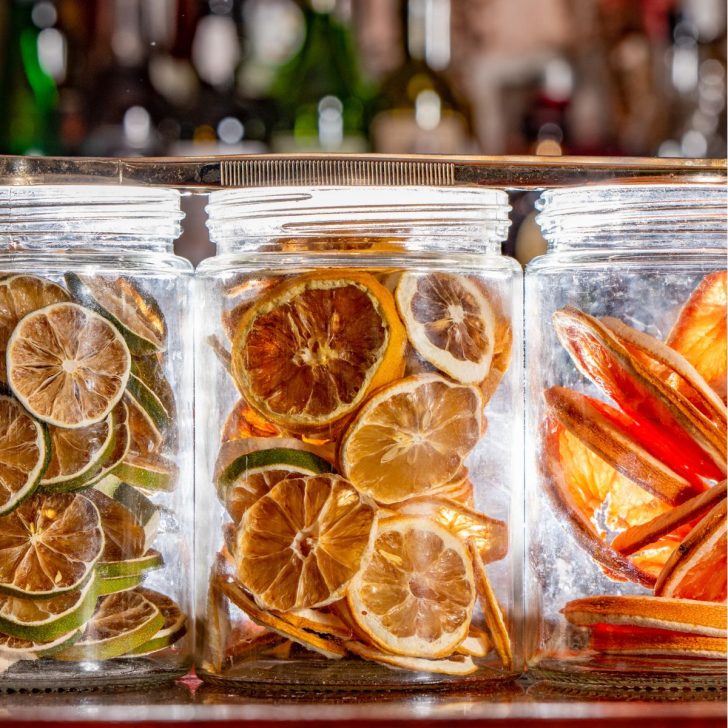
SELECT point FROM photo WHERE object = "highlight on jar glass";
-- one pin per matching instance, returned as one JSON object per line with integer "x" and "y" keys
{"x": 95, "y": 438}
{"x": 626, "y": 371}
{"x": 359, "y": 438}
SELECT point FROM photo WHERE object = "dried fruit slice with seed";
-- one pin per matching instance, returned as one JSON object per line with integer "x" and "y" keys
{"x": 49, "y": 545}
{"x": 414, "y": 594}
{"x": 697, "y": 567}
{"x": 301, "y": 543}
{"x": 67, "y": 365}
{"x": 136, "y": 314}
{"x": 458, "y": 665}
{"x": 173, "y": 629}
{"x": 449, "y": 322}
{"x": 307, "y": 353}
{"x": 411, "y": 437}
{"x": 24, "y": 454}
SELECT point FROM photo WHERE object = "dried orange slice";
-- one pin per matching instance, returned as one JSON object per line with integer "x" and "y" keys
{"x": 306, "y": 354}
{"x": 24, "y": 454}
{"x": 67, "y": 365}
{"x": 697, "y": 567}
{"x": 415, "y": 593}
{"x": 459, "y": 489}
{"x": 411, "y": 437}
{"x": 19, "y": 295}
{"x": 49, "y": 545}
{"x": 700, "y": 331}
{"x": 454, "y": 665}
{"x": 243, "y": 422}
{"x": 449, "y": 322}
{"x": 300, "y": 544}
{"x": 677, "y": 615}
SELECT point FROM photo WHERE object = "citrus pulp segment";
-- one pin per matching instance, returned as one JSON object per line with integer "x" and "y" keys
{"x": 173, "y": 628}
{"x": 24, "y": 454}
{"x": 49, "y": 545}
{"x": 67, "y": 365}
{"x": 307, "y": 353}
{"x": 454, "y": 665}
{"x": 19, "y": 296}
{"x": 301, "y": 543}
{"x": 136, "y": 315}
{"x": 411, "y": 437}
{"x": 414, "y": 594}
{"x": 449, "y": 322}
{"x": 121, "y": 622}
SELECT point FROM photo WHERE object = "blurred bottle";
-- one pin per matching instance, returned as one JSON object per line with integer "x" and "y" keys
{"x": 419, "y": 112}
{"x": 29, "y": 122}
{"x": 323, "y": 101}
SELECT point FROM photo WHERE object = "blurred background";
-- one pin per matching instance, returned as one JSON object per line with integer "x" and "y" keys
{"x": 199, "y": 77}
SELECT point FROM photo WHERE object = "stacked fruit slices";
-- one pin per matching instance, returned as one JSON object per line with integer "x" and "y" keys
{"x": 84, "y": 406}
{"x": 641, "y": 486}
{"x": 343, "y": 472}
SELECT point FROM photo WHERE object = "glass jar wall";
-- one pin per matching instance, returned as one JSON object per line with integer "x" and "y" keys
{"x": 626, "y": 378}
{"x": 359, "y": 439}
{"x": 95, "y": 439}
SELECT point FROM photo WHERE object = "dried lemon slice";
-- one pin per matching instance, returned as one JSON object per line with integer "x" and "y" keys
{"x": 455, "y": 665}
{"x": 24, "y": 454}
{"x": 300, "y": 544}
{"x": 67, "y": 365}
{"x": 415, "y": 593}
{"x": 411, "y": 437}
{"x": 449, "y": 322}
{"x": 306, "y": 354}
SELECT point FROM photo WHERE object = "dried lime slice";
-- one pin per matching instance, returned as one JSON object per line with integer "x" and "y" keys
{"x": 14, "y": 649}
{"x": 148, "y": 472}
{"x": 49, "y": 545}
{"x": 152, "y": 559}
{"x": 24, "y": 454}
{"x": 115, "y": 584}
{"x": 136, "y": 314}
{"x": 124, "y": 537}
{"x": 150, "y": 405}
{"x": 121, "y": 623}
{"x": 173, "y": 629}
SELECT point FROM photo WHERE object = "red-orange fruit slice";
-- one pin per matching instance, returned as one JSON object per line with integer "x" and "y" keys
{"x": 590, "y": 421}
{"x": 637, "y": 537}
{"x": 700, "y": 331}
{"x": 677, "y": 615}
{"x": 647, "y": 399}
{"x": 697, "y": 568}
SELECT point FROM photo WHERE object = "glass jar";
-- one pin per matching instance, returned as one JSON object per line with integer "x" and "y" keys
{"x": 626, "y": 380}
{"x": 359, "y": 423}
{"x": 95, "y": 439}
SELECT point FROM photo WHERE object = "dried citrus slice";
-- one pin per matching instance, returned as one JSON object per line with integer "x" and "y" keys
{"x": 411, "y": 437}
{"x": 459, "y": 488}
{"x": 24, "y": 454}
{"x": 148, "y": 472}
{"x": 122, "y": 622}
{"x": 476, "y": 644}
{"x": 173, "y": 629}
{"x": 114, "y": 584}
{"x": 306, "y": 355}
{"x": 700, "y": 331}
{"x": 677, "y": 615}
{"x": 49, "y": 545}
{"x": 319, "y": 621}
{"x": 301, "y": 543}
{"x": 492, "y": 611}
{"x": 697, "y": 567}
{"x": 244, "y": 422}
{"x": 489, "y": 534}
{"x": 14, "y": 649}
{"x": 149, "y": 405}
{"x": 124, "y": 537}
{"x": 19, "y": 295}
{"x": 144, "y": 435}
{"x": 414, "y": 594}
{"x": 454, "y": 665}
{"x": 144, "y": 512}
{"x": 150, "y": 559}
{"x": 42, "y": 620}
{"x": 449, "y": 322}
{"x": 67, "y": 365}
{"x": 136, "y": 314}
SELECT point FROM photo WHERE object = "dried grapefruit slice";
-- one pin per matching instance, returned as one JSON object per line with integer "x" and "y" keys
{"x": 697, "y": 567}
{"x": 49, "y": 545}
{"x": 19, "y": 295}
{"x": 455, "y": 665}
{"x": 24, "y": 454}
{"x": 449, "y": 322}
{"x": 411, "y": 437}
{"x": 300, "y": 544}
{"x": 306, "y": 354}
{"x": 67, "y": 365}
{"x": 414, "y": 595}
{"x": 700, "y": 331}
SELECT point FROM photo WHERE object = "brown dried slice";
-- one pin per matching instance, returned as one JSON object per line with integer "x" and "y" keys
{"x": 459, "y": 489}
{"x": 697, "y": 567}
{"x": 492, "y": 612}
{"x": 677, "y": 615}
{"x": 454, "y": 665}
{"x": 244, "y": 422}
{"x": 585, "y": 418}
{"x": 637, "y": 537}
{"x": 476, "y": 644}
{"x": 317, "y": 620}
